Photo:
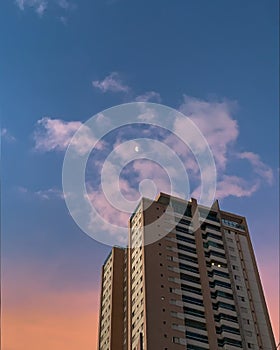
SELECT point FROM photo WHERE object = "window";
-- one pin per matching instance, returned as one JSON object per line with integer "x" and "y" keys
{"x": 194, "y": 347}
{"x": 221, "y": 294}
{"x": 212, "y": 235}
{"x": 195, "y": 324}
{"x": 183, "y": 230}
{"x": 213, "y": 244}
{"x": 191, "y": 300}
{"x": 185, "y": 239}
{"x": 225, "y": 317}
{"x": 186, "y": 248}
{"x": 223, "y": 305}
{"x": 219, "y": 283}
{"x": 193, "y": 312}
{"x": 187, "y": 258}
{"x": 191, "y": 289}
{"x": 218, "y": 273}
{"x": 229, "y": 341}
{"x": 228, "y": 329}
{"x": 196, "y": 336}
{"x": 188, "y": 268}
{"x": 189, "y": 278}
{"x": 176, "y": 340}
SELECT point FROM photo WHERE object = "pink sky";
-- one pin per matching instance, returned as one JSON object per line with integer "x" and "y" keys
{"x": 37, "y": 316}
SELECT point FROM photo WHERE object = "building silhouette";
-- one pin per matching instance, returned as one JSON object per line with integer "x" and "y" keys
{"x": 188, "y": 281}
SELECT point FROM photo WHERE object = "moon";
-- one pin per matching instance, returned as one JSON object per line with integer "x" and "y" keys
{"x": 136, "y": 149}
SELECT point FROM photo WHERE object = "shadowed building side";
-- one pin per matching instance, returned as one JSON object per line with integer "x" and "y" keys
{"x": 111, "y": 319}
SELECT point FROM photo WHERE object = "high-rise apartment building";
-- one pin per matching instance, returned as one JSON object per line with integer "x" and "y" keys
{"x": 188, "y": 281}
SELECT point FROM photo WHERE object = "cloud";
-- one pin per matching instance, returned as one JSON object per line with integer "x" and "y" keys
{"x": 50, "y": 193}
{"x": 56, "y": 134}
{"x": 63, "y": 4}
{"x": 259, "y": 167}
{"x": 39, "y": 6}
{"x": 6, "y": 135}
{"x": 143, "y": 153}
{"x": 149, "y": 96}
{"x": 111, "y": 83}
{"x": 215, "y": 121}
{"x": 235, "y": 186}
{"x": 47, "y": 194}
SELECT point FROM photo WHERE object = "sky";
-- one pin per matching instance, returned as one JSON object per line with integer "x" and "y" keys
{"x": 64, "y": 62}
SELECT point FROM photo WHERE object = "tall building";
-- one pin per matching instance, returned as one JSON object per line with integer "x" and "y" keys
{"x": 189, "y": 281}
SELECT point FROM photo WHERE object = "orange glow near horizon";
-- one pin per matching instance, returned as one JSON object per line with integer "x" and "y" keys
{"x": 269, "y": 273}
{"x": 52, "y": 322}
{"x": 37, "y": 316}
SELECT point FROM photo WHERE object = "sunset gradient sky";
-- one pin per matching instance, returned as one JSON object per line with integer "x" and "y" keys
{"x": 64, "y": 61}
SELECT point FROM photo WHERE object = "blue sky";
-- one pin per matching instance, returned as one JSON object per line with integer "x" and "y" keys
{"x": 65, "y": 61}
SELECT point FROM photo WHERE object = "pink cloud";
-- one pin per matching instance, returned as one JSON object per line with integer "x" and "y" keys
{"x": 259, "y": 167}
{"x": 235, "y": 186}
{"x": 56, "y": 134}
{"x": 111, "y": 83}
{"x": 216, "y": 124}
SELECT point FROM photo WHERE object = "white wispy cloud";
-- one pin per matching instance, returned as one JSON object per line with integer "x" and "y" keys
{"x": 6, "y": 135}
{"x": 39, "y": 6}
{"x": 151, "y": 96}
{"x": 63, "y": 4}
{"x": 44, "y": 194}
{"x": 56, "y": 134}
{"x": 111, "y": 83}
{"x": 50, "y": 193}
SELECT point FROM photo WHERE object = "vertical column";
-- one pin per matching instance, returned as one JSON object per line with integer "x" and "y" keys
{"x": 209, "y": 315}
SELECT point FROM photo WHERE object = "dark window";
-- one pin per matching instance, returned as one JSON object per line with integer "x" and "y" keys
{"x": 191, "y": 300}
{"x": 191, "y": 289}
{"x": 195, "y": 336}
{"x": 195, "y": 324}
{"x": 187, "y": 258}
{"x": 193, "y": 312}
{"x": 189, "y": 278}
{"x": 185, "y": 239}
{"x": 188, "y": 268}
{"x": 186, "y": 248}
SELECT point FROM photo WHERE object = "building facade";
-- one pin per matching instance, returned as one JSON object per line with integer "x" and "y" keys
{"x": 188, "y": 281}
